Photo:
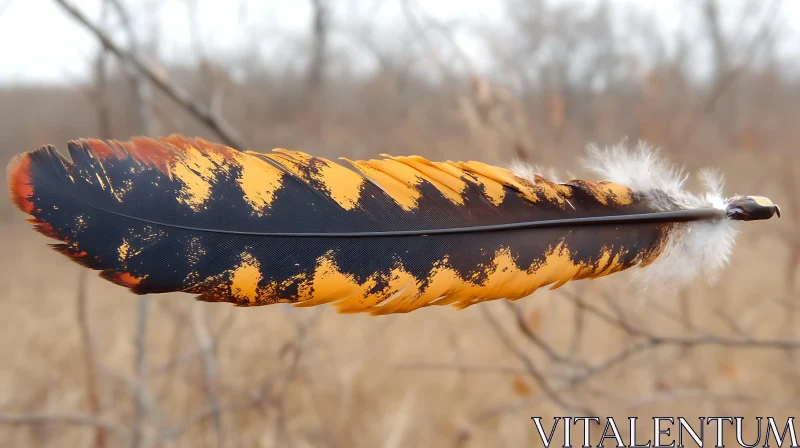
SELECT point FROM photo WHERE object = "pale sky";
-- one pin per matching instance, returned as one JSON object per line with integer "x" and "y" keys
{"x": 39, "y": 43}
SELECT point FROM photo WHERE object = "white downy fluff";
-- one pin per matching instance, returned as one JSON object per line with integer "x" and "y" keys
{"x": 529, "y": 172}
{"x": 696, "y": 248}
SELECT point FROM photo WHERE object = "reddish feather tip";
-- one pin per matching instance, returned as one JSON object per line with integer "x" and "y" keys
{"x": 20, "y": 187}
{"x": 121, "y": 278}
{"x": 101, "y": 149}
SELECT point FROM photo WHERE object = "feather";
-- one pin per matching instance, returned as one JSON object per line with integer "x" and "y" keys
{"x": 386, "y": 235}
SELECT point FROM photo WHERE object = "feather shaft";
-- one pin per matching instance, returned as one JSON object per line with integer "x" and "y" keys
{"x": 703, "y": 214}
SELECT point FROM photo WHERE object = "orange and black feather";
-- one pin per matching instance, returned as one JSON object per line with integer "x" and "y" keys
{"x": 180, "y": 214}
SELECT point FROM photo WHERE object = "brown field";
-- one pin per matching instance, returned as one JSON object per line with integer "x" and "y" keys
{"x": 215, "y": 375}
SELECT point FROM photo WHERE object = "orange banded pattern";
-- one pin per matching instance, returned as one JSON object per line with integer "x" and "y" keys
{"x": 180, "y": 214}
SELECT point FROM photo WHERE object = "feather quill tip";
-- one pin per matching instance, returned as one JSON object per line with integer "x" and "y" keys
{"x": 751, "y": 208}
{"x": 701, "y": 248}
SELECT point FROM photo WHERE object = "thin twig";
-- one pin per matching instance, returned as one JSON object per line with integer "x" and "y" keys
{"x": 87, "y": 341}
{"x": 92, "y": 394}
{"x": 702, "y": 339}
{"x": 141, "y": 89}
{"x": 569, "y": 385}
{"x": 578, "y": 329}
{"x": 725, "y": 80}
{"x": 182, "y": 358}
{"x": 461, "y": 368}
{"x": 167, "y": 435}
{"x": 206, "y": 346}
{"x": 535, "y": 339}
{"x": 140, "y": 365}
{"x": 529, "y": 365}
{"x": 217, "y": 124}
{"x": 683, "y": 394}
{"x": 612, "y": 361}
{"x": 297, "y": 348}
{"x": 64, "y": 419}
{"x": 141, "y": 395}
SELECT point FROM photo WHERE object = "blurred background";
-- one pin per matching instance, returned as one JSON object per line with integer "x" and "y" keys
{"x": 712, "y": 83}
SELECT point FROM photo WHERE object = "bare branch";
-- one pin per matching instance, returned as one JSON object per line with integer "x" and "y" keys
{"x": 64, "y": 419}
{"x": 529, "y": 365}
{"x": 206, "y": 345}
{"x": 683, "y": 394}
{"x": 461, "y": 368}
{"x": 87, "y": 340}
{"x": 140, "y": 365}
{"x": 703, "y": 339}
{"x": 535, "y": 339}
{"x": 726, "y": 79}
{"x": 140, "y": 88}
{"x": 92, "y": 393}
{"x": 217, "y": 124}
{"x": 297, "y": 349}
{"x": 320, "y": 28}
{"x": 722, "y": 61}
